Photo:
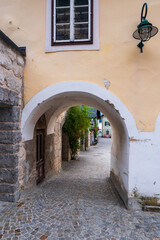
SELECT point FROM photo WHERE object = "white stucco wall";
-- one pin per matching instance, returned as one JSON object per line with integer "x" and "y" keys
{"x": 144, "y": 165}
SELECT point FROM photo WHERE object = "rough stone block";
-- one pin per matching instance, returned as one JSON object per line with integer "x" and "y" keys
{"x": 5, "y": 61}
{"x": 5, "y": 148}
{"x": 10, "y": 137}
{"x": 9, "y": 188}
{"x": 13, "y": 82}
{"x": 9, "y": 126}
{"x": 17, "y": 70}
{"x": 9, "y": 197}
{"x": 13, "y": 98}
{"x": 9, "y": 175}
{"x": 11, "y": 54}
{"x": 20, "y": 61}
{"x": 8, "y": 97}
{"x": 10, "y": 114}
{"x": 1, "y": 76}
{"x": 8, "y": 161}
{"x": 2, "y": 46}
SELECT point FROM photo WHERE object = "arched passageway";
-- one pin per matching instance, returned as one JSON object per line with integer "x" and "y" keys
{"x": 57, "y": 98}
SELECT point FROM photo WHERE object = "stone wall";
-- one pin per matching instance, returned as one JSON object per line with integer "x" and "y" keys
{"x": 66, "y": 151}
{"x": 49, "y": 155}
{"x": 29, "y": 164}
{"x": 58, "y": 142}
{"x": 53, "y": 156}
{"x": 11, "y": 103}
{"x": 54, "y": 147}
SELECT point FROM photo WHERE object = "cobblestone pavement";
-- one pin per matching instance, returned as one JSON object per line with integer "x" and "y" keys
{"x": 78, "y": 203}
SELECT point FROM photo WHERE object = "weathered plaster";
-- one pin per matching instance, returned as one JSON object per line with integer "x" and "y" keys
{"x": 134, "y": 76}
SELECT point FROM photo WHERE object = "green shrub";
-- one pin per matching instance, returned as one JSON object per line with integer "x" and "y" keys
{"x": 76, "y": 125}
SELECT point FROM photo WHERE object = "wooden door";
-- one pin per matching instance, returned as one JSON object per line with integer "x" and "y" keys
{"x": 40, "y": 154}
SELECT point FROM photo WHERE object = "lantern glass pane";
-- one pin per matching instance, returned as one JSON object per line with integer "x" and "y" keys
{"x": 145, "y": 29}
{"x": 145, "y": 33}
{"x": 154, "y": 31}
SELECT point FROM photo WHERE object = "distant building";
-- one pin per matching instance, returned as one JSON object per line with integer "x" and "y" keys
{"x": 106, "y": 127}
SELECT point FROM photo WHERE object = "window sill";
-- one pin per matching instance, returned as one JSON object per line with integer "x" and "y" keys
{"x": 85, "y": 47}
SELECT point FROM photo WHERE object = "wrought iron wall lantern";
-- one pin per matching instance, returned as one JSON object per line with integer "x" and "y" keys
{"x": 145, "y": 30}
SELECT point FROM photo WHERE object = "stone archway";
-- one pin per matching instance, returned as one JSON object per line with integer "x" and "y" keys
{"x": 56, "y": 98}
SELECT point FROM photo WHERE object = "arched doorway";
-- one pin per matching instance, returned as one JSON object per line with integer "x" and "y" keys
{"x": 57, "y": 98}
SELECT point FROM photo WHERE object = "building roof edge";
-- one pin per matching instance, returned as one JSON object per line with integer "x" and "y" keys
{"x": 8, "y": 41}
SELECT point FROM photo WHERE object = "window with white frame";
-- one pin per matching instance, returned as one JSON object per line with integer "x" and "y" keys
{"x": 72, "y": 22}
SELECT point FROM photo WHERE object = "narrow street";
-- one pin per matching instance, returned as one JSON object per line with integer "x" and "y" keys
{"x": 79, "y": 203}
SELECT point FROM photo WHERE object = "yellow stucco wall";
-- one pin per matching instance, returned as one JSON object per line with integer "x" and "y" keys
{"x": 134, "y": 77}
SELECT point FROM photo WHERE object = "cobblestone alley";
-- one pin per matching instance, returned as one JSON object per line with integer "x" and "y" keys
{"x": 78, "y": 203}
